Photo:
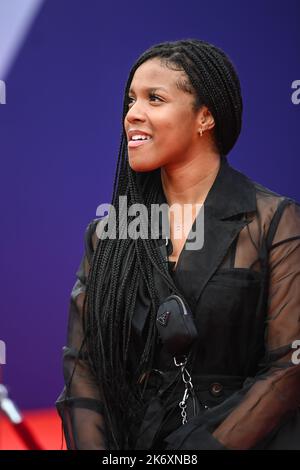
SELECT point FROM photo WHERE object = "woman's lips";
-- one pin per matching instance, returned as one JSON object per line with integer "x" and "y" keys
{"x": 137, "y": 143}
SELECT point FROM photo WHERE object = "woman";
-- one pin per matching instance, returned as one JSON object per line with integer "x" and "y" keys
{"x": 122, "y": 391}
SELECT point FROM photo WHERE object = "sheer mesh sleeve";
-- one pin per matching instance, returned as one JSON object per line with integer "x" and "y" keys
{"x": 257, "y": 413}
{"x": 79, "y": 404}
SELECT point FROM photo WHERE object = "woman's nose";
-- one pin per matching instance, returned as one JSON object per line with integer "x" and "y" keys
{"x": 136, "y": 112}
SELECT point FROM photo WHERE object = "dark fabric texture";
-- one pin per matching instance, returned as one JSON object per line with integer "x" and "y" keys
{"x": 243, "y": 287}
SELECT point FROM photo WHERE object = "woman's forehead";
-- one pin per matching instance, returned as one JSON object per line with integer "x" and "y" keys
{"x": 152, "y": 75}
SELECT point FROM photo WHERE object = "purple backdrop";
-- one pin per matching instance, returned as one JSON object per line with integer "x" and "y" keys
{"x": 60, "y": 132}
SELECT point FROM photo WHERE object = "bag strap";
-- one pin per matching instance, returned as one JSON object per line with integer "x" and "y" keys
{"x": 275, "y": 221}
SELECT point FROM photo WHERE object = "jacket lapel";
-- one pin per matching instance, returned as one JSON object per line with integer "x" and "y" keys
{"x": 195, "y": 268}
{"x": 230, "y": 197}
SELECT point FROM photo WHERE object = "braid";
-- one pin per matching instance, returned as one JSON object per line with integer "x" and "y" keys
{"x": 112, "y": 290}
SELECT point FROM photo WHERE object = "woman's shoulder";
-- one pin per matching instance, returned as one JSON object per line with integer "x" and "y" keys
{"x": 278, "y": 211}
{"x": 268, "y": 208}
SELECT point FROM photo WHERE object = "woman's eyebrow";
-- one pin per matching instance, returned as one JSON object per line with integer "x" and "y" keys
{"x": 151, "y": 89}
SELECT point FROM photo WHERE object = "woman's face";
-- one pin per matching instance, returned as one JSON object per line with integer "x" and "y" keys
{"x": 164, "y": 112}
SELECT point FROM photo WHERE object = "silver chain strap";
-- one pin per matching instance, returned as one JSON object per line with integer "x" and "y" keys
{"x": 187, "y": 380}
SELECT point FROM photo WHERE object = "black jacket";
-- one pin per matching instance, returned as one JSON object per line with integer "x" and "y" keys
{"x": 243, "y": 286}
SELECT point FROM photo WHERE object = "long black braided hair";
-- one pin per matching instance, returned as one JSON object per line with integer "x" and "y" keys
{"x": 110, "y": 300}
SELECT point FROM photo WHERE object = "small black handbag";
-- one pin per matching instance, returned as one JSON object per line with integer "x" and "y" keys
{"x": 176, "y": 327}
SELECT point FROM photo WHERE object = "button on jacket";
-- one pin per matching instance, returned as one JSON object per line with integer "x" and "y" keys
{"x": 243, "y": 287}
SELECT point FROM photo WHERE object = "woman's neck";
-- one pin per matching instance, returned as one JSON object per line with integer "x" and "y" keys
{"x": 190, "y": 182}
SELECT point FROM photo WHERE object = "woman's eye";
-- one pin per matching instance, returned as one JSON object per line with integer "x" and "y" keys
{"x": 155, "y": 96}
{"x": 130, "y": 99}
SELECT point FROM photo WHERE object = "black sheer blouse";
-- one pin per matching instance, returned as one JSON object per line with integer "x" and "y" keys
{"x": 243, "y": 286}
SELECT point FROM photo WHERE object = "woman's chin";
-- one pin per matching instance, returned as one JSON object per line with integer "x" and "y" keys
{"x": 141, "y": 166}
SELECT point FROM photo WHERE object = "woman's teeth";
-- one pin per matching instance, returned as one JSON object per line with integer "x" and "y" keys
{"x": 141, "y": 137}
{"x": 139, "y": 140}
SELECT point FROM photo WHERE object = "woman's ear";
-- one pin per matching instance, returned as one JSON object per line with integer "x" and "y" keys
{"x": 205, "y": 119}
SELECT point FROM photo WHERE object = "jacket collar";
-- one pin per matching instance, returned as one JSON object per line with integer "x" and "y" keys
{"x": 232, "y": 193}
